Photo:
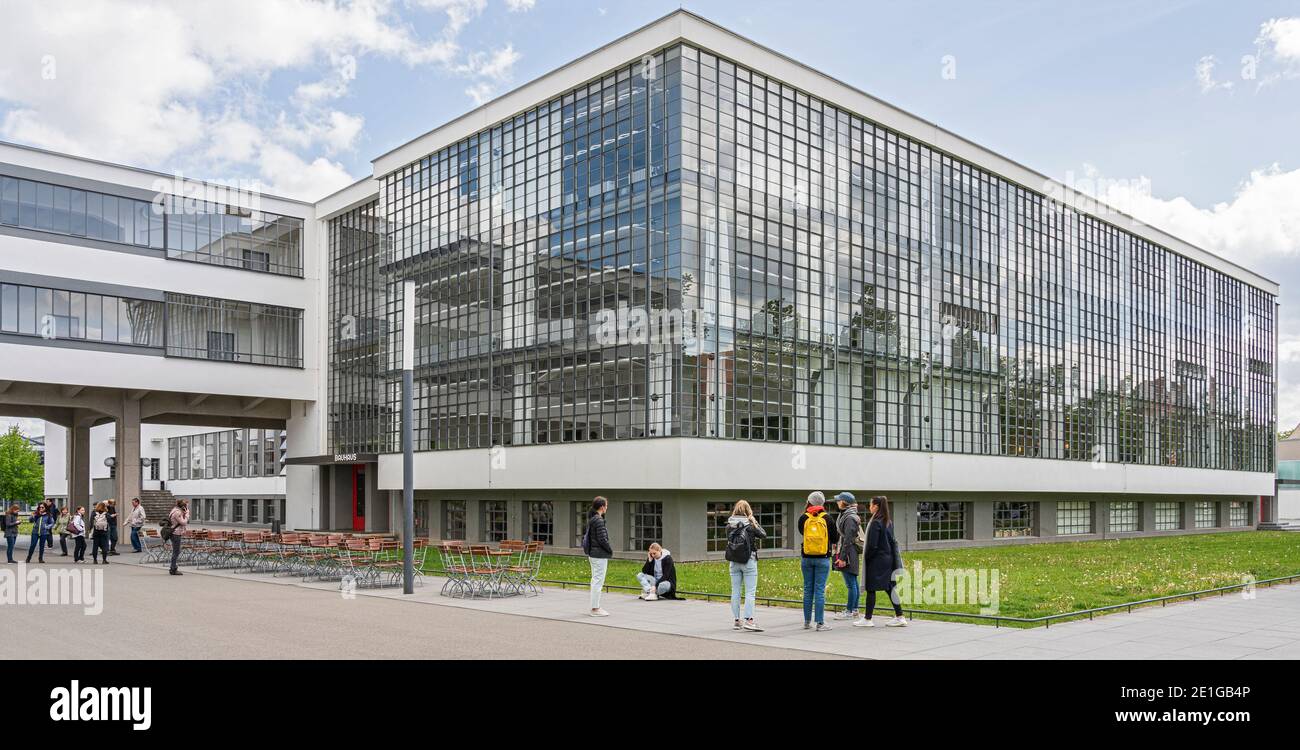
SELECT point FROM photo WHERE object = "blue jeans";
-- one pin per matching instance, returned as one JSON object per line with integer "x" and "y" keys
{"x": 744, "y": 577}
{"x": 648, "y": 584}
{"x": 135, "y": 538}
{"x": 38, "y": 544}
{"x": 9, "y": 548}
{"x": 851, "y": 583}
{"x": 815, "y": 572}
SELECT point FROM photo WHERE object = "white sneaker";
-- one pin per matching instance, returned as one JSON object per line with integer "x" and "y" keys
{"x": 599, "y": 613}
{"x": 845, "y": 616}
{"x": 897, "y": 622}
{"x": 752, "y": 626}
{"x": 864, "y": 623}
{"x": 641, "y": 595}
{"x": 652, "y": 597}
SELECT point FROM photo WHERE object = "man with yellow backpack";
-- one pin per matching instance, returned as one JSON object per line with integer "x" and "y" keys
{"x": 819, "y": 539}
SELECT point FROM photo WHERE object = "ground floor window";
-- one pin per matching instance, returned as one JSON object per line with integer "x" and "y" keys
{"x": 421, "y": 519}
{"x": 940, "y": 522}
{"x": 223, "y": 512}
{"x": 1206, "y": 516}
{"x": 237, "y": 510}
{"x": 645, "y": 525}
{"x": 581, "y": 511}
{"x": 453, "y": 520}
{"x": 254, "y": 507}
{"x": 1238, "y": 513}
{"x": 771, "y": 516}
{"x": 541, "y": 522}
{"x": 495, "y": 527}
{"x": 1074, "y": 517}
{"x": 1169, "y": 516}
{"x": 1124, "y": 516}
{"x": 1013, "y": 519}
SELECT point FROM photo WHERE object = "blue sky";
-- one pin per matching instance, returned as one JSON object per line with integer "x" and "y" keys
{"x": 1182, "y": 113}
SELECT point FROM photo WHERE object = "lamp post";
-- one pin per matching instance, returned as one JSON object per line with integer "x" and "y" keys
{"x": 408, "y": 474}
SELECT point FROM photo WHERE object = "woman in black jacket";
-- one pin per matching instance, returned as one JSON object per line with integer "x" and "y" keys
{"x": 596, "y": 544}
{"x": 880, "y": 558}
{"x": 658, "y": 577}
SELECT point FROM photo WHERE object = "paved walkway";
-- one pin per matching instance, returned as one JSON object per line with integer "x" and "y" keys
{"x": 1227, "y": 627}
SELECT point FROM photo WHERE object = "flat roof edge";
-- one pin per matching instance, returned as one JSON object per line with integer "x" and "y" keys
{"x": 685, "y": 26}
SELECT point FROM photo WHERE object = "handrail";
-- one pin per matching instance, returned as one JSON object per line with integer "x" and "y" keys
{"x": 997, "y": 620}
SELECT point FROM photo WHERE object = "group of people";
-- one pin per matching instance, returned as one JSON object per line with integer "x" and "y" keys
{"x": 865, "y": 553}
{"x": 48, "y": 520}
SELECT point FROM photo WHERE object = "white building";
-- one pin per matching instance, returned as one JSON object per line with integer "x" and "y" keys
{"x": 876, "y": 304}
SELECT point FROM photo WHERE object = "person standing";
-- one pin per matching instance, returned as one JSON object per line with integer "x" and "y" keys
{"x": 61, "y": 528}
{"x": 10, "y": 522}
{"x": 743, "y": 533}
{"x": 136, "y": 520}
{"x": 41, "y": 525}
{"x": 77, "y": 527}
{"x": 112, "y": 527}
{"x": 178, "y": 521}
{"x": 52, "y": 512}
{"x": 99, "y": 533}
{"x": 819, "y": 539}
{"x": 848, "y": 554}
{"x": 596, "y": 544}
{"x": 880, "y": 559}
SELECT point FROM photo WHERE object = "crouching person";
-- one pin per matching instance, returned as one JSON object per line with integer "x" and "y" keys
{"x": 658, "y": 577}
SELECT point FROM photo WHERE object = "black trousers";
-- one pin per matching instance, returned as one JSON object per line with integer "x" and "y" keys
{"x": 112, "y": 538}
{"x": 63, "y": 543}
{"x": 870, "y": 609}
{"x": 78, "y": 548}
{"x": 100, "y": 541}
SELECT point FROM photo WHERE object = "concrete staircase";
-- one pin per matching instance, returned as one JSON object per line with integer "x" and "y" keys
{"x": 156, "y": 503}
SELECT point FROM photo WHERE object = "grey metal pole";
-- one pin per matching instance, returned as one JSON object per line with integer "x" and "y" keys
{"x": 408, "y": 456}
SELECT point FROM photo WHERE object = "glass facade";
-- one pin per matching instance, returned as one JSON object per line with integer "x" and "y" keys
{"x": 691, "y": 248}
{"x": 219, "y": 455}
{"x": 359, "y": 417}
{"x": 1013, "y": 519}
{"x": 57, "y": 314}
{"x": 229, "y": 331}
{"x": 187, "y": 229}
{"x": 771, "y": 516}
{"x": 235, "y": 237}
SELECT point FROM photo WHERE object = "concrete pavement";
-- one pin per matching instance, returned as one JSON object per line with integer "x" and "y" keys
{"x": 239, "y": 615}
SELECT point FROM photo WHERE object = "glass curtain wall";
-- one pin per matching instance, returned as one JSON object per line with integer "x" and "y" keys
{"x": 834, "y": 282}
{"x": 359, "y": 415}
{"x": 229, "y": 331}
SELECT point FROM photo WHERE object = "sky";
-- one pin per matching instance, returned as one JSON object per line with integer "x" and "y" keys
{"x": 1182, "y": 113}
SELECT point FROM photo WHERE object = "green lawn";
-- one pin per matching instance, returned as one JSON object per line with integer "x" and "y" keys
{"x": 1034, "y": 579}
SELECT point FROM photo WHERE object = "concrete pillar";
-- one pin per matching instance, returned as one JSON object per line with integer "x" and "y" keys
{"x": 1047, "y": 521}
{"x": 78, "y": 466}
{"x": 127, "y": 456}
{"x": 1148, "y": 515}
{"x": 979, "y": 525}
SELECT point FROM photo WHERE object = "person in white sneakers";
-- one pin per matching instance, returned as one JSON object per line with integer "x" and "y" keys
{"x": 596, "y": 544}
{"x": 880, "y": 558}
{"x": 658, "y": 577}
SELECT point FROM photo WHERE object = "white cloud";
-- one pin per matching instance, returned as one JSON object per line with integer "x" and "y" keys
{"x": 517, "y": 6}
{"x": 1282, "y": 37}
{"x": 1205, "y": 75}
{"x": 1262, "y": 219}
{"x": 162, "y": 84}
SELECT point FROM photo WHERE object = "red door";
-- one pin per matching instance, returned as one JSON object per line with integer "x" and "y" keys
{"x": 359, "y": 498}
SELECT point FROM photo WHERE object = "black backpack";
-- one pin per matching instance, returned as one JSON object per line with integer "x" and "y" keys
{"x": 739, "y": 549}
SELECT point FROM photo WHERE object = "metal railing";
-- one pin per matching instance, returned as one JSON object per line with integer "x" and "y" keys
{"x": 997, "y": 620}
